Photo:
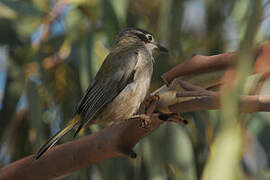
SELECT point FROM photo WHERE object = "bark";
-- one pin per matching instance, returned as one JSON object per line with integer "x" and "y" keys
{"x": 114, "y": 141}
{"x": 198, "y": 64}
{"x": 248, "y": 104}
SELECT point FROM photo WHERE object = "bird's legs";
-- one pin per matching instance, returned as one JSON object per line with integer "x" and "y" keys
{"x": 150, "y": 104}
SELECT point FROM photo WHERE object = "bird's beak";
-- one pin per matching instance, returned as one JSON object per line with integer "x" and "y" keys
{"x": 161, "y": 48}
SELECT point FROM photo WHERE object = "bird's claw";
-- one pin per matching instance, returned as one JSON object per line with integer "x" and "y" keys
{"x": 150, "y": 104}
{"x": 145, "y": 120}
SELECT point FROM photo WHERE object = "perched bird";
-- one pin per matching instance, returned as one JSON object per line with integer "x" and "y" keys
{"x": 120, "y": 85}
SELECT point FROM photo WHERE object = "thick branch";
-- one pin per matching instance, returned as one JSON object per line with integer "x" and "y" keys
{"x": 113, "y": 141}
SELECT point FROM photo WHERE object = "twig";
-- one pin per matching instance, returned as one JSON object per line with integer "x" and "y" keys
{"x": 248, "y": 104}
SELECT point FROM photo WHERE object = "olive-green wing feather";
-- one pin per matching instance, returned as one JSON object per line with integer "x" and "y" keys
{"x": 114, "y": 75}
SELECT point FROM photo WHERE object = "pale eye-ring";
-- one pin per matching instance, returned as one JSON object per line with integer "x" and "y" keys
{"x": 150, "y": 37}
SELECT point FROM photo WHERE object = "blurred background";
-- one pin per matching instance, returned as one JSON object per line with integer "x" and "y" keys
{"x": 50, "y": 51}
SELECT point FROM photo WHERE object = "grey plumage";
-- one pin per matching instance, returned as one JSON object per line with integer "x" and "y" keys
{"x": 113, "y": 77}
{"x": 120, "y": 85}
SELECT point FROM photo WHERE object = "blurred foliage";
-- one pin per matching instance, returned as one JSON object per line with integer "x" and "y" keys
{"x": 50, "y": 51}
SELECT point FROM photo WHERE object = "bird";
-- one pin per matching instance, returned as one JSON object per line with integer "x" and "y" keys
{"x": 119, "y": 87}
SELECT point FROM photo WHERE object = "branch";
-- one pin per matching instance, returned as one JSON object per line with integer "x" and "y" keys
{"x": 206, "y": 100}
{"x": 195, "y": 98}
{"x": 114, "y": 141}
{"x": 198, "y": 64}
{"x": 248, "y": 104}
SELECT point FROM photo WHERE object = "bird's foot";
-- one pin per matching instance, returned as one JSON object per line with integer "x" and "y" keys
{"x": 145, "y": 120}
{"x": 150, "y": 104}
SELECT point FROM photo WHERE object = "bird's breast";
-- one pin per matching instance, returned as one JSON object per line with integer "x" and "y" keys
{"x": 129, "y": 99}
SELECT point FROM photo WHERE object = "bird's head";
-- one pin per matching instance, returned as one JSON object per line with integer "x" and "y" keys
{"x": 131, "y": 35}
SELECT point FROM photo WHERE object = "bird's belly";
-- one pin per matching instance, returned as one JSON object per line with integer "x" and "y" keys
{"x": 126, "y": 103}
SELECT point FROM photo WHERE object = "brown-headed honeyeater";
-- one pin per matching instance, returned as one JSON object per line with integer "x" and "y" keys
{"x": 120, "y": 85}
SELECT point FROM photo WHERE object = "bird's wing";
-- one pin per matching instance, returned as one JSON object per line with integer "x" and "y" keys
{"x": 115, "y": 73}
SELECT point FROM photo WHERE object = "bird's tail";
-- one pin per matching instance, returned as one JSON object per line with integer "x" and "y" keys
{"x": 54, "y": 139}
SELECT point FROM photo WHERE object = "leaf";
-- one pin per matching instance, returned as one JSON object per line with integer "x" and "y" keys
{"x": 6, "y": 12}
{"x": 35, "y": 113}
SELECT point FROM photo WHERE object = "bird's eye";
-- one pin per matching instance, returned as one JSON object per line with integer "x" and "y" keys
{"x": 150, "y": 37}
